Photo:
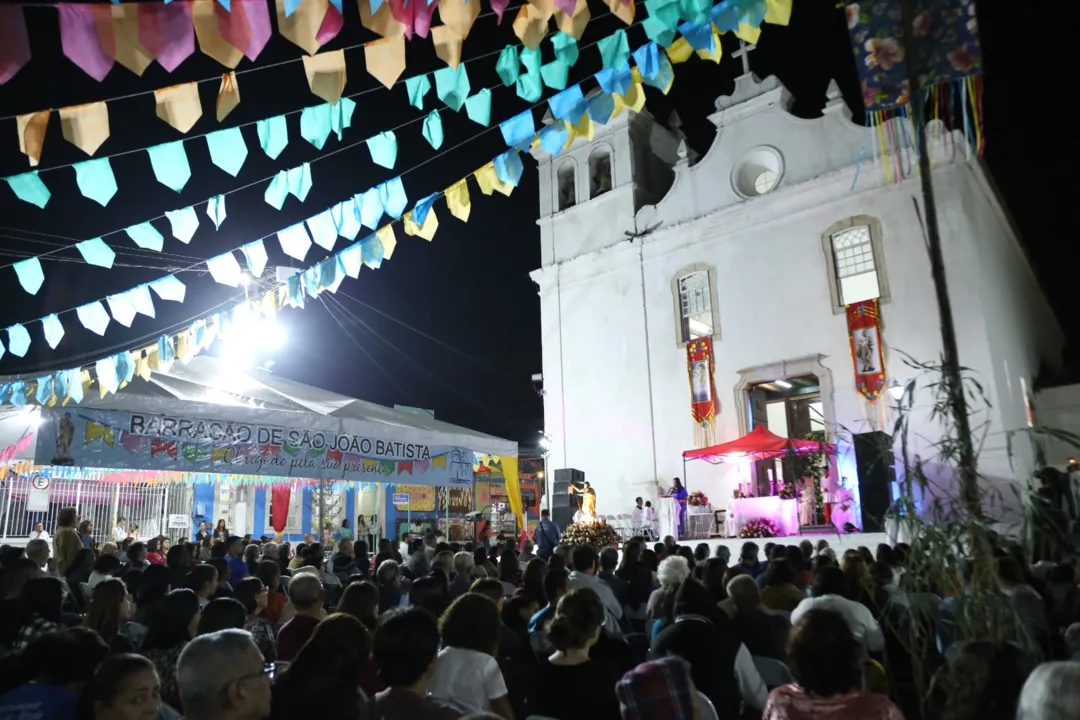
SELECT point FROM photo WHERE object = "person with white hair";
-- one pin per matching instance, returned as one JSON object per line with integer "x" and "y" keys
{"x": 1052, "y": 692}
{"x": 671, "y": 573}
{"x": 221, "y": 676}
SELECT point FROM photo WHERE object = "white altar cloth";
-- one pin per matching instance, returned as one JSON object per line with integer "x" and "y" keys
{"x": 784, "y": 513}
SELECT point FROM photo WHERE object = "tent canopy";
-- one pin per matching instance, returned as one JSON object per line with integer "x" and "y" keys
{"x": 759, "y": 444}
{"x": 208, "y": 388}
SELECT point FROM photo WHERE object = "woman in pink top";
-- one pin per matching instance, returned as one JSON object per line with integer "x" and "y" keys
{"x": 825, "y": 659}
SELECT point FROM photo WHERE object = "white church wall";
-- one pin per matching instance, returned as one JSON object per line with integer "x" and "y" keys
{"x": 1059, "y": 408}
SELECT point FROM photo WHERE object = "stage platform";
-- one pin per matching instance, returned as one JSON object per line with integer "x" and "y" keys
{"x": 838, "y": 543}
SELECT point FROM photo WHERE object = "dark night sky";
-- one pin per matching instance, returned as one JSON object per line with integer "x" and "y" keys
{"x": 469, "y": 288}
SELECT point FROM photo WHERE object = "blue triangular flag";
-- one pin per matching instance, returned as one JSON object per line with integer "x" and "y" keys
{"x": 371, "y": 208}
{"x": 215, "y": 209}
{"x": 54, "y": 330}
{"x": 96, "y": 252}
{"x": 145, "y": 236}
{"x": 518, "y": 131}
{"x": 393, "y": 198}
{"x": 30, "y": 274}
{"x": 615, "y": 80}
{"x": 509, "y": 167}
{"x": 553, "y": 137}
{"x": 255, "y": 254}
{"x": 18, "y": 340}
{"x": 44, "y": 389}
{"x": 184, "y": 223}
{"x": 96, "y": 180}
{"x": 569, "y": 105}
{"x": 420, "y": 210}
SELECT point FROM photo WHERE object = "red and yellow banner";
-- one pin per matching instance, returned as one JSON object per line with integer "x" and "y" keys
{"x": 867, "y": 352}
{"x": 700, "y": 366}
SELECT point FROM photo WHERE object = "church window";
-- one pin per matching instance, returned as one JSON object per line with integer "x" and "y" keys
{"x": 856, "y": 272}
{"x": 758, "y": 172}
{"x": 695, "y": 298}
{"x": 567, "y": 186}
{"x": 765, "y": 181}
{"x": 599, "y": 173}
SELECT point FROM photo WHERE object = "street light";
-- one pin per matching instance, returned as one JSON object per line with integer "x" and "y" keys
{"x": 545, "y": 443}
{"x": 545, "y": 450}
{"x": 896, "y": 390}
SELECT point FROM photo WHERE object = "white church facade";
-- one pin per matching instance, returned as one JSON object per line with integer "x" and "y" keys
{"x": 760, "y": 244}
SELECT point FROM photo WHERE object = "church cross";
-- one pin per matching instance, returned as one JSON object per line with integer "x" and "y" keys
{"x": 744, "y": 53}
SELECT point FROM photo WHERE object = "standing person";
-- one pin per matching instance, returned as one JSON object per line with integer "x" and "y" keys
{"x": 222, "y": 677}
{"x": 66, "y": 541}
{"x": 588, "y": 500}
{"x": 638, "y": 513}
{"x": 203, "y": 533}
{"x": 546, "y": 535}
{"x": 86, "y": 534}
{"x": 807, "y": 501}
{"x": 119, "y": 531}
{"x": 679, "y": 495}
{"x": 345, "y": 531}
{"x": 238, "y": 569}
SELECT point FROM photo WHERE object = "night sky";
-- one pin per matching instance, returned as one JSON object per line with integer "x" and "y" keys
{"x": 468, "y": 291}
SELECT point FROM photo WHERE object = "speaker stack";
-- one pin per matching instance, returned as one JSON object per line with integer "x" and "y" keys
{"x": 563, "y": 506}
{"x": 874, "y": 463}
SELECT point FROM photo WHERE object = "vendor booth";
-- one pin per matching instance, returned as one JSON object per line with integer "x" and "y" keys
{"x": 204, "y": 442}
{"x": 777, "y": 511}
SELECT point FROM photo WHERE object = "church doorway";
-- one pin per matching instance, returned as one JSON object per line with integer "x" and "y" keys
{"x": 789, "y": 407}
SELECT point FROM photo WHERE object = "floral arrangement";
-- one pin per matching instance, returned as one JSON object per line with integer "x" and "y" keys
{"x": 598, "y": 534}
{"x": 738, "y": 494}
{"x": 697, "y": 499}
{"x": 787, "y": 491}
{"x": 759, "y": 528}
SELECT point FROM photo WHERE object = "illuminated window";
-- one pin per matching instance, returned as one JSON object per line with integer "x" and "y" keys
{"x": 853, "y": 254}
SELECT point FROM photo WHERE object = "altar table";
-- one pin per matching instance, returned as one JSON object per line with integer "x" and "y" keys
{"x": 783, "y": 513}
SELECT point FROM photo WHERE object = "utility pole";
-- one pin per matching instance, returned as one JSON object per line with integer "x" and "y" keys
{"x": 969, "y": 491}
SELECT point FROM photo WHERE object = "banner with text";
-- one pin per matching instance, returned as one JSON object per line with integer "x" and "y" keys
{"x": 108, "y": 439}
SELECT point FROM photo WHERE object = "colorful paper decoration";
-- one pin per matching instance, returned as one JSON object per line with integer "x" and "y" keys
{"x": 255, "y": 256}
{"x": 121, "y": 308}
{"x": 93, "y": 317}
{"x": 383, "y": 148}
{"x": 508, "y": 167}
{"x": 574, "y": 24}
{"x": 326, "y": 75}
{"x": 421, "y": 228}
{"x": 96, "y": 252}
{"x": 85, "y": 126}
{"x": 247, "y": 27}
{"x": 14, "y": 41}
{"x": 302, "y": 27}
{"x": 30, "y": 274}
{"x": 416, "y": 88}
{"x": 507, "y": 65}
{"x": 96, "y": 180}
{"x": 452, "y": 86}
{"x": 566, "y": 48}
{"x": 179, "y": 105}
{"x": 228, "y": 95}
{"x": 167, "y": 33}
{"x": 31, "y": 129}
{"x": 28, "y": 187}
{"x": 54, "y": 330}
{"x": 433, "y": 130}
{"x": 273, "y": 135}
{"x": 225, "y": 269}
{"x": 323, "y": 229}
{"x": 518, "y": 131}
{"x": 530, "y": 26}
{"x": 170, "y": 164}
{"x": 385, "y": 59}
{"x": 555, "y": 74}
{"x": 377, "y": 16}
{"x": 184, "y": 223}
{"x": 625, "y": 11}
{"x": 459, "y": 15}
{"x": 488, "y": 181}
{"x": 554, "y": 137}
{"x": 392, "y": 197}
{"x": 457, "y": 200}
{"x": 227, "y": 149}
{"x": 146, "y": 236}
{"x": 126, "y": 47}
{"x": 478, "y": 107}
{"x": 205, "y": 15}
{"x": 18, "y": 340}
{"x": 79, "y": 37}
{"x": 867, "y": 353}
{"x": 568, "y": 105}
{"x": 700, "y": 367}
{"x": 169, "y": 288}
{"x": 294, "y": 241}
{"x": 615, "y": 80}
{"x": 447, "y": 44}
{"x": 215, "y": 210}
{"x": 614, "y": 49}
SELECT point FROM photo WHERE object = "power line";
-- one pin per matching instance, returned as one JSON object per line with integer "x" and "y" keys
{"x": 364, "y": 350}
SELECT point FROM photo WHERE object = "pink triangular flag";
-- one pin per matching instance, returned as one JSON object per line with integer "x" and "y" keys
{"x": 499, "y": 6}
{"x": 79, "y": 37}
{"x": 166, "y": 31}
{"x": 257, "y": 13}
{"x": 331, "y": 25}
{"x": 415, "y": 16}
{"x": 14, "y": 42}
{"x": 568, "y": 6}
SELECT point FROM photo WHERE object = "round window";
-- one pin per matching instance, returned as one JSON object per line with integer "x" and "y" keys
{"x": 758, "y": 173}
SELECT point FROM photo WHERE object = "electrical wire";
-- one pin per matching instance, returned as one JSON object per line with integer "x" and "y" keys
{"x": 364, "y": 350}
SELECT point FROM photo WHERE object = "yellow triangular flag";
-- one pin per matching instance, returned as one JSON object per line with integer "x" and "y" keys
{"x": 152, "y": 359}
{"x": 86, "y": 126}
{"x": 389, "y": 240}
{"x": 457, "y": 200}
{"x": 184, "y": 351}
{"x": 635, "y": 74}
{"x": 326, "y": 75}
{"x": 619, "y": 104}
{"x": 178, "y": 105}
{"x": 447, "y": 43}
{"x": 427, "y": 230}
{"x": 747, "y": 33}
{"x": 680, "y": 51}
{"x": 635, "y": 97}
{"x": 142, "y": 368}
{"x": 585, "y": 127}
{"x": 778, "y": 12}
{"x": 31, "y": 129}
{"x": 228, "y": 95}
{"x": 717, "y": 51}
{"x": 385, "y": 59}
{"x": 127, "y": 49}
{"x": 489, "y": 181}
{"x": 207, "y": 30}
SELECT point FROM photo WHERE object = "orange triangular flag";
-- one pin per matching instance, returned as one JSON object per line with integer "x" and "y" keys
{"x": 31, "y": 128}
{"x": 179, "y": 105}
{"x": 385, "y": 59}
{"x": 128, "y": 51}
{"x": 530, "y": 26}
{"x": 546, "y": 8}
{"x": 326, "y": 75}
{"x": 382, "y": 22}
{"x": 447, "y": 43}
{"x": 574, "y": 25}
{"x": 302, "y": 27}
{"x": 228, "y": 96}
{"x": 204, "y": 17}
{"x": 85, "y": 126}
{"x": 623, "y": 11}
{"x": 459, "y": 15}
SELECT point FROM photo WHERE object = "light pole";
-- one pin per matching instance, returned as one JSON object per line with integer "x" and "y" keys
{"x": 545, "y": 450}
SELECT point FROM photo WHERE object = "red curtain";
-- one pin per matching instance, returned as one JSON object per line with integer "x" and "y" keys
{"x": 279, "y": 506}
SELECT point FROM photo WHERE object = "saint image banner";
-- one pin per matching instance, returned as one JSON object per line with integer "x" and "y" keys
{"x": 867, "y": 353}
{"x": 700, "y": 365}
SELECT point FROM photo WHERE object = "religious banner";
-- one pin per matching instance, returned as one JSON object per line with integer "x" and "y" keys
{"x": 137, "y": 441}
{"x": 867, "y": 354}
{"x": 700, "y": 366}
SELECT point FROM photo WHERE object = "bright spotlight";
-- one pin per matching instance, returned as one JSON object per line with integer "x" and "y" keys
{"x": 545, "y": 442}
{"x": 270, "y": 334}
{"x": 896, "y": 390}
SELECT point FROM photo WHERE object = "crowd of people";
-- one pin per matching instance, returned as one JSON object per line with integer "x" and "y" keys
{"x": 236, "y": 628}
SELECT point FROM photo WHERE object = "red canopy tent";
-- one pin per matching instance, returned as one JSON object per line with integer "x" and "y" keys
{"x": 759, "y": 444}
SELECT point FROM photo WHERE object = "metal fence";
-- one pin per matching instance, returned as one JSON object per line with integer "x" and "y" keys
{"x": 147, "y": 506}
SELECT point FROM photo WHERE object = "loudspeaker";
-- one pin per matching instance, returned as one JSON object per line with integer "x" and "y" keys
{"x": 563, "y": 506}
{"x": 874, "y": 463}
{"x": 563, "y": 516}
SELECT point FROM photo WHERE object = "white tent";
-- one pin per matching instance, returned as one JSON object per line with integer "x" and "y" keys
{"x": 208, "y": 388}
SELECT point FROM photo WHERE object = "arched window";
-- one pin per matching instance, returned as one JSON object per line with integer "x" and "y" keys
{"x": 599, "y": 173}
{"x": 855, "y": 260}
{"x": 567, "y": 186}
